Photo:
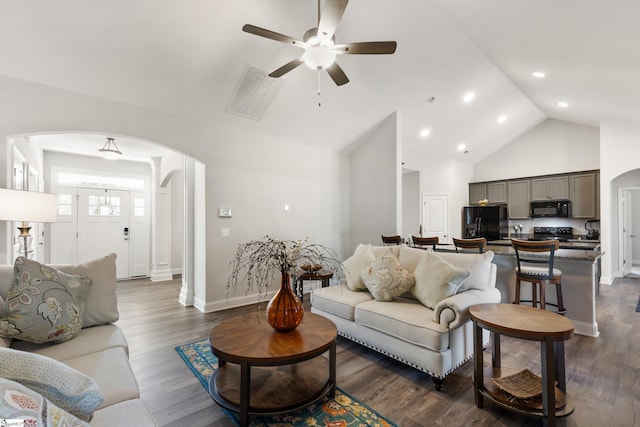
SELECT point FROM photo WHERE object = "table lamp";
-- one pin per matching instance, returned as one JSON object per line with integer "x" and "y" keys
{"x": 25, "y": 207}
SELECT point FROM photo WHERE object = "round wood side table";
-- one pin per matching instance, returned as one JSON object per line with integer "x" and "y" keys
{"x": 262, "y": 371}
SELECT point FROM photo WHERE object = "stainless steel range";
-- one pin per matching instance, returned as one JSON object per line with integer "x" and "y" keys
{"x": 562, "y": 234}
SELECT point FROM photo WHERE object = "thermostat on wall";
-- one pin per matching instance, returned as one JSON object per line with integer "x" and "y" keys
{"x": 224, "y": 212}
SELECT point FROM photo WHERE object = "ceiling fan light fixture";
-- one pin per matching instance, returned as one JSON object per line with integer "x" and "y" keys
{"x": 318, "y": 57}
{"x": 110, "y": 150}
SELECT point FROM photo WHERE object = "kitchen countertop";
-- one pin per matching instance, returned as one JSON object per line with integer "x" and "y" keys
{"x": 575, "y": 254}
{"x": 571, "y": 244}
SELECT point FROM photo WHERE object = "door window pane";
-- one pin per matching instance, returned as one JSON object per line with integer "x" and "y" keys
{"x": 65, "y": 204}
{"x": 104, "y": 206}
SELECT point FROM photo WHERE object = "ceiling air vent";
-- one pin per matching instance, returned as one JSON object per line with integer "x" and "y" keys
{"x": 254, "y": 94}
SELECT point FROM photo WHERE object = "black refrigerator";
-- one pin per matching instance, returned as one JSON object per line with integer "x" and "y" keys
{"x": 490, "y": 222}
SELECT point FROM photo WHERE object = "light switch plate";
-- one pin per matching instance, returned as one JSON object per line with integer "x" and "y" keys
{"x": 224, "y": 232}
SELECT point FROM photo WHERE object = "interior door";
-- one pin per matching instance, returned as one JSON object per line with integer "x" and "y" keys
{"x": 103, "y": 224}
{"x": 435, "y": 216}
{"x": 627, "y": 233}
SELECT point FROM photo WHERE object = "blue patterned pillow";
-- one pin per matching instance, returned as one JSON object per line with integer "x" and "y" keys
{"x": 62, "y": 385}
{"x": 18, "y": 402}
{"x": 44, "y": 304}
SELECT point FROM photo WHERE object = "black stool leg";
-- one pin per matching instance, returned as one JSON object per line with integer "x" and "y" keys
{"x": 561, "y": 309}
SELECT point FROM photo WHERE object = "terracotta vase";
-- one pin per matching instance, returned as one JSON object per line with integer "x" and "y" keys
{"x": 285, "y": 310}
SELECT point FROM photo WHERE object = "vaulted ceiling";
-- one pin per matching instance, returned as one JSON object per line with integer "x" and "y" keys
{"x": 188, "y": 57}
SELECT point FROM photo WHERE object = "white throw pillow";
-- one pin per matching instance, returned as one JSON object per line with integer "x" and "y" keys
{"x": 386, "y": 279}
{"x": 410, "y": 257}
{"x": 67, "y": 388}
{"x": 478, "y": 265}
{"x": 353, "y": 265}
{"x": 436, "y": 279}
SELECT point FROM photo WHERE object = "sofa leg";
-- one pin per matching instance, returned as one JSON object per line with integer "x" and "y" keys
{"x": 438, "y": 383}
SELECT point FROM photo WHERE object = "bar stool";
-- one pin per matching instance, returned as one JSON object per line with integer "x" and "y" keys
{"x": 391, "y": 240}
{"x": 423, "y": 242}
{"x": 537, "y": 269}
{"x": 468, "y": 244}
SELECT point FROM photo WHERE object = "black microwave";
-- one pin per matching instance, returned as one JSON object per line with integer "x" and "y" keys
{"x": 551, "y": 208}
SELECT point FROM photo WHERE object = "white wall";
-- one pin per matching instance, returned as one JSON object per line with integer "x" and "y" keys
{"x": 619, "y": 154}
{"x": 411, "y": 204}
{"x": 375, "y": 185}
{"x": 252, "y": 173}
{"x": 551, "y": 147}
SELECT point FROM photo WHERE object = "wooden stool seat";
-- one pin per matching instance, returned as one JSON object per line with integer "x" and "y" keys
{"x": 535, "y": 265}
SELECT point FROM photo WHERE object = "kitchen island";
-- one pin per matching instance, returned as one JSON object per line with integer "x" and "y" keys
{"x": 580, "y": 277}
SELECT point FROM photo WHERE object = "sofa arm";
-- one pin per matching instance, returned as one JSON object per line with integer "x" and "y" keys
{"x": 454, "y": 310}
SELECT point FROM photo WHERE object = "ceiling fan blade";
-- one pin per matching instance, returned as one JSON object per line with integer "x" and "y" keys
{"x": 252, "y": 29}
{"x": 337, "y": 75}
{"x": 330, "y": 17}
{"x": 286, "y": 68}
{"x": 365, "y": 48}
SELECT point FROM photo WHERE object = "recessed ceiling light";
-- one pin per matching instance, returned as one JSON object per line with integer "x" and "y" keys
{"x": 538, "y": 74}
{"x": 563, "y": 104}
{"x": 425, "y": 132}
{"x": 461, "y": 147}
{"x": 468, "y": 97}
{"x": 502, "y": 119}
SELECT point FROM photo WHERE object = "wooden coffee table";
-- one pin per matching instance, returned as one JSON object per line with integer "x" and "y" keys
{"x": 262, "y": 371}
{"x": 527, "y": 323}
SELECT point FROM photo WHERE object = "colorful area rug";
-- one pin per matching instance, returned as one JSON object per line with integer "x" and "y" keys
{"x": 341, "y": 411}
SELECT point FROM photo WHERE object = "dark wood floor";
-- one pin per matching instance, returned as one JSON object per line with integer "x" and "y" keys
{"x": 603, "y": 374}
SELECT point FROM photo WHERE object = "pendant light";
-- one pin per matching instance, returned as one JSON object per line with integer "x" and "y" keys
{"x": 110, "y": 150}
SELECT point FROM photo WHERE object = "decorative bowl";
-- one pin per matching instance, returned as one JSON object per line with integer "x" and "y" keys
{"x": 311, "y": 268}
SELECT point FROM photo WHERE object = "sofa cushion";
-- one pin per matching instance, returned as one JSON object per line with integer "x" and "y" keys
{"x": 405, "y": 319}
{"x": 111, "y": 370}
{"x": 65, "y": 387}
{"x": 378, "y": 251}
{"x": 88, "y": 340}
{"x": 102, "y": 302}
{"x": 353, "y": 266}
{"x": 134, "y": 412}
{"x": 44, "y": 304}
{"x": 18, "y": 402}
{"x": 436, "y": 279}
{"x": 385, "y": 278}
{"x": 338, "y": 300}
{"x": 478, "y": 266}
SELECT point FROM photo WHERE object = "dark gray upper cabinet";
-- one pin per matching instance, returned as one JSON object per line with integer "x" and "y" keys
{"x": 550, "y": 188}
{"x": 477, "y": 192}
{"x": 497, "y": 192}
{"x": 581, "y": 188}
{"x": 519, "y": 199}
{"x": 584, "y": 196}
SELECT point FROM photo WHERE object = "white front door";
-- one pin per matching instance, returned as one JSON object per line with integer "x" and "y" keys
{"x": 103, "y": 225}
{"x": 435, "y": 216}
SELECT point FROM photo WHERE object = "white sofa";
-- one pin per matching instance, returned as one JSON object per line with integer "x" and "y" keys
{"x": 99, "y": 350}
{"x": 434, "y": 340}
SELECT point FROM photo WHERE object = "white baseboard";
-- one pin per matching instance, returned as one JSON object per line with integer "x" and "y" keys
{"x": 160, "y": 275}
{"x": 582, "y": 328}
{"x": 234, "y": 302}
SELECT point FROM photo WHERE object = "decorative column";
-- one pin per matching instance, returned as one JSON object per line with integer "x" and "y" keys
{"x": 160, "y": 226}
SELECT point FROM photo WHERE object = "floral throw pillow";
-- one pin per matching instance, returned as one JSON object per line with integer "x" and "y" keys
{"x": 386, "y": 279}
{"x": 43, "y": 304}
{"x": 18, "y": 402}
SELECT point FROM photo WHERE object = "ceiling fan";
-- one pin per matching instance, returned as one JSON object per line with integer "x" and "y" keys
{"x": 319, "y": 45}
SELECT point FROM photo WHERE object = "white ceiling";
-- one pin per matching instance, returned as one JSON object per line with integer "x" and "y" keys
{"x": 187, "y": 57}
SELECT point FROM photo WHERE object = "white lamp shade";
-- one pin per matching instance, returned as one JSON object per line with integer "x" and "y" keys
{"x": 28, "y": 206}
